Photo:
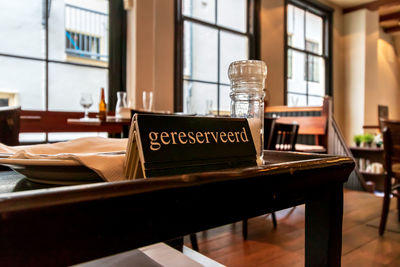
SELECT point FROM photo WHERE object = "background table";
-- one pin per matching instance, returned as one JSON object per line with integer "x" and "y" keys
{"x": 111, "y": 125}
{"x": 73, "y": 224}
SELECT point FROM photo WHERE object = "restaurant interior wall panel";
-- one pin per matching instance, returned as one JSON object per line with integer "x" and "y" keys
{"x": 131, "y": 54}
{"x": 371, "y": 68}
{"x": 145, "y": 45}
{"x": 151, "y": 52}
{"x": 272, "y": 48}
{"x": 354, "y": 73}
{"x": 164, "y": 56}
{"x": 388, "y": 88}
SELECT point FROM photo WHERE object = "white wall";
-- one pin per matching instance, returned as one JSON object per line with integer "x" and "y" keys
{"x": 371, "y": 68}
{"x": 272, "y": 48}
{"x": 388, "y": 89}
{"x": 354, "y": 70}
{"x": 371, "y": 72}
{"x": 150, "y": 57}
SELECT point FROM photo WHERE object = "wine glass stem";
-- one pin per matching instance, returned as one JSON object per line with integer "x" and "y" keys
{"x": 86, "y": 113}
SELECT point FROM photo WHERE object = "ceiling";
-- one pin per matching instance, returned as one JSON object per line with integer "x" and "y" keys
{"x": 389, "y": 11}
{"x": 349, "y": 3}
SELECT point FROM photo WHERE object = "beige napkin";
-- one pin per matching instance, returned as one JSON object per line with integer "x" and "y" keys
{"x": 105, "y": 156}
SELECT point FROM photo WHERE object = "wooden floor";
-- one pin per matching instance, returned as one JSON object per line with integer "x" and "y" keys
{"x": 284, "y": 246}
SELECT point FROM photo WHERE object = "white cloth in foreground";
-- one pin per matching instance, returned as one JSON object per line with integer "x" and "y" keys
{"x": 88, "y": 151}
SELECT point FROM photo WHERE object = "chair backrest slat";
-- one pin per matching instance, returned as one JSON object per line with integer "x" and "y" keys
{"x": 284, "y": 137}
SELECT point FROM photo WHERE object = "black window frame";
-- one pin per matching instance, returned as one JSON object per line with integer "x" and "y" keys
{"x": 289, "y": 68}
{"x": 311, "y": 64}
{"x": 117, "y": 52}
{"x": 252, "y": 32}
{"x": 325, "y": 13}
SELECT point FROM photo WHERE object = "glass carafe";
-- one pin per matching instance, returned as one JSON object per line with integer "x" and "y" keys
{"x": 121, "y": 104}
{"x": 247, "y": 97}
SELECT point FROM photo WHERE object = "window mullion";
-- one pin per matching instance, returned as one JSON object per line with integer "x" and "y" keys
{"x": 305, "y": 48}
{"x": 46, "y": 83}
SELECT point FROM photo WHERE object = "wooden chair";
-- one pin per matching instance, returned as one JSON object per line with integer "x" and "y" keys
{"x": 313, "y": 123}
{"x": 391, "y": 141}
{"x": 282, "y": 137}
{"x": 9, "y": 125}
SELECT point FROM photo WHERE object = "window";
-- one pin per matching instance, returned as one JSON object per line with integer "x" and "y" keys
{"x": 89, "y": 49}
{"x": 86, "y": 37}
{"x": 311, "y": 63}
{"x": 308, "y": 53}
{"x": 211, "y": 35}
{"x": 54, "y": 50}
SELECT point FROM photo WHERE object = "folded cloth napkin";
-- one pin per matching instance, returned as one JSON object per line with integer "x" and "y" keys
{"x": 105, "y": 156}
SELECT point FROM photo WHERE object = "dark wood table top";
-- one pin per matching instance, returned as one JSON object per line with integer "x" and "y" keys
{"x": 110, "y": 120}
{"x": 11, "y": 181}
{"x": 72, "y": 224}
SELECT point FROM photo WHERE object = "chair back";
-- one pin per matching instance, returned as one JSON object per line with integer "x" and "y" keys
{"x": 391, "y": 141}
{"x": 284, "y": 137}
{"x": 9, "y": 125}
{"x": 268, "y": 130}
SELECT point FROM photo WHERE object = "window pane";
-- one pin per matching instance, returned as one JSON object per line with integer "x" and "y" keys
{"x": 295, "y": 26}
{"x": 26, "y": 78}
{"x": 199, "y": 9}
{"x": 22, "y": 28}
{"x": 315, "y": 101}
{"x": 316, "y": 84}
{"x": 67, "y": 82}
{"x": 233, "y": 47}
{"x": 232, "y": 14}
{"x": 201, "y": 52}
{"x": 200, "y": 98}
{"x": 297, "y": 83}
{"x": 78, "y": 31}
{"x": 224, "y": 98}
{"x": 294, "y": 100}
{"x": 314, "y": 33}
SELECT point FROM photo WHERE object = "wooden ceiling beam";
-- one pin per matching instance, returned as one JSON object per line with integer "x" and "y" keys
{"x": 390, "y": 16}
{"x": 372, "y": 5}
{"x": 392, "y": 29}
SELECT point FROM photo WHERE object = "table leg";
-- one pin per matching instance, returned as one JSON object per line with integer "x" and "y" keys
{"x": 323, "y": 233}
{"x": 176, "y": 243}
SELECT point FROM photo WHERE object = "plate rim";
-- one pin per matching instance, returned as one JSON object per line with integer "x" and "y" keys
{"x": 40, "y": 162}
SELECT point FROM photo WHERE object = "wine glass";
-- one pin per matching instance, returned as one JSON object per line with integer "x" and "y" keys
{"x": 147, "y": 100}
{"x": 86, "y": 102}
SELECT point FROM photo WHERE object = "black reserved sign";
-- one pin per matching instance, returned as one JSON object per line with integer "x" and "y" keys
{"x": 179, "y": 144}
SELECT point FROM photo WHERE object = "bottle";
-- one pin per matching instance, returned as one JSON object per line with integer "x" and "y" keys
{"x": 102, "y": 107}
{"x": 247, "y": 98}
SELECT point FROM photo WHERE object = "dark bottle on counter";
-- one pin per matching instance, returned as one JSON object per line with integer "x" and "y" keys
{"x": 102, "y": 107}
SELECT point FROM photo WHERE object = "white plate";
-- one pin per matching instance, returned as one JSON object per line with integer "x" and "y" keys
{"x": 40, "y": 162}
{"x": 52, "y": 171}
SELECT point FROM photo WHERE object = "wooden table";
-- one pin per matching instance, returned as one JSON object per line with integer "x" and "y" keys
{"x": 68, "y": 225}
{"x": 110, "y": 125}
